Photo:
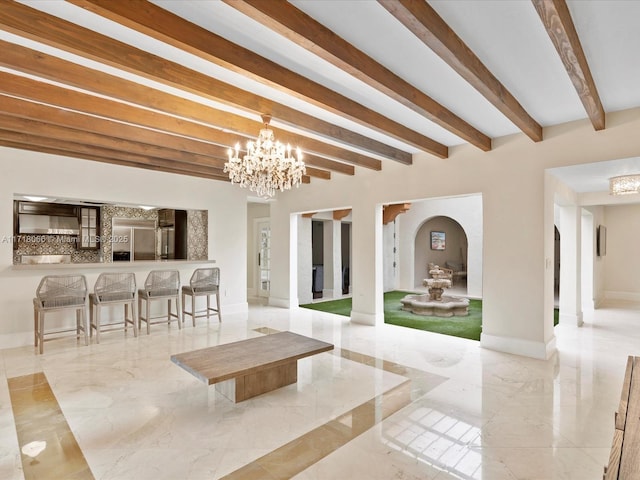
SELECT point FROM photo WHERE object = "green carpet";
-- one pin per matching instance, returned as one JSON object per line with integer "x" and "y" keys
{"x": 465, "y": 327}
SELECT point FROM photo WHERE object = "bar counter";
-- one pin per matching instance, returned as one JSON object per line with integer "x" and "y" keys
{"x": 136, "y": 264}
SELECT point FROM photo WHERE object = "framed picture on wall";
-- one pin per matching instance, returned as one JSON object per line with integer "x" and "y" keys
{"x": 438, "y": 241}
{"x": 601, "y": 241}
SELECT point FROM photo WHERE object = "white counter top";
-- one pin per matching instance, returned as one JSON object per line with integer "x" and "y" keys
{"x": 141, "y": 264}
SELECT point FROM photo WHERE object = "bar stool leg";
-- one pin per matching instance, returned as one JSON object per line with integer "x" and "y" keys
{"x": 86, "y": 325}
{"x": 178, "y": 308}
{"x": 97, "y": 323}
{"x": 133, "y": 318}
{"x": 92, "y": 319}
{"x": 40, "y": 330}
{"x": 184, "y": 303}
{"x": 35, "y": 327}
{"x": 148, "y": 320}
{"x": 218, "y": 304}
{"x": 193, "y": 309}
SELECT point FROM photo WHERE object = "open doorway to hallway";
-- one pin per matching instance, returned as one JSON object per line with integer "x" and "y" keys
{"x": 331, "y": 258}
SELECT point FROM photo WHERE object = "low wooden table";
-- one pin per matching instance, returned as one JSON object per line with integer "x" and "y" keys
{"x": 245, "y": 369}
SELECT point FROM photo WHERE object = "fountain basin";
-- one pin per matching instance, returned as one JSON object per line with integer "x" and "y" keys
{"x": 421, "y": 304}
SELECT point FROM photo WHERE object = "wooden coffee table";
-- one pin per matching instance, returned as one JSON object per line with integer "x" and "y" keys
{"x": 245, "y": 369}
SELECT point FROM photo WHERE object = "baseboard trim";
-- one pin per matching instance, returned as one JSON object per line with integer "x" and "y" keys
{"x": 371, "y": 319}
{"x": 241, "y": 307}
{"x": 282, "y": 302}
{"x": 631, "y": 296}
{"x": 574, "y": 319}
{"x": 14, "y": 340}
{"x": 516, "y": 346}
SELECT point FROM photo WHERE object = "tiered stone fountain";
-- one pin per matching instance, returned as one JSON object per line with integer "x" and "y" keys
{"x": 434, "y": 303}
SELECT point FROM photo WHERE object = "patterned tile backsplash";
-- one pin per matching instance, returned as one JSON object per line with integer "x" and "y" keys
{"x": 52, "y": 245}
{"x": 197, "y": 237}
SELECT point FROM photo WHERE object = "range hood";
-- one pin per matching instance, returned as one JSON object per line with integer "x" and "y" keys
{"x": 48, "y": 225}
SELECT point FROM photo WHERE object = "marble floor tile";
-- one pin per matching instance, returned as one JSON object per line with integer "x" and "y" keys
{"x": 386, "y": 403}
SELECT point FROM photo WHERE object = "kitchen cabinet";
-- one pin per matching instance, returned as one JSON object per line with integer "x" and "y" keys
{"x": 89, "y": 223}
{"x": 51, "y": 209}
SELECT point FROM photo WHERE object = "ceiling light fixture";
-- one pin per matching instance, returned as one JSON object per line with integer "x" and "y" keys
{"x": 624, "y": 184}
{"x": 268, "y": 165}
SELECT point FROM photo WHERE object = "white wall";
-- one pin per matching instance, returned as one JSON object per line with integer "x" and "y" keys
{"x": 56, "y": 176}
{"x": 622, "y": 261}
{"x": 599, "y": 263}
{"x": 255, "y": 211}
{"x": 517, "y": 216}
{"x": 305, "y": 261}
{"x": 467, "y": 211}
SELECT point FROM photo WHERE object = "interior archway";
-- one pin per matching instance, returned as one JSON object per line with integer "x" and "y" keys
{"x": 443, "y": 241}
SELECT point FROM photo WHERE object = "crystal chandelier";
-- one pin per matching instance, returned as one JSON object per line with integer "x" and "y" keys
{"x": 624, "y": 184}
{"x": 268, "y": 165}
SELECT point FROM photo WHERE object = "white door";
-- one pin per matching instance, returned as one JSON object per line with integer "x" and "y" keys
{"x": 264, "y": 258}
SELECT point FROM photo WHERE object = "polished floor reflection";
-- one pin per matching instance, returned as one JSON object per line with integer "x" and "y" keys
{"x": 387, "y": 403}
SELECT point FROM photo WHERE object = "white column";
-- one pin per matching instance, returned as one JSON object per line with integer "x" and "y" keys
{"x": 570, "y": 259}
{"x": 305, "y": 261}
{"x": 284, "y": 259}
{"x": 332, "y": 259}
{"x": 366, "y": 237}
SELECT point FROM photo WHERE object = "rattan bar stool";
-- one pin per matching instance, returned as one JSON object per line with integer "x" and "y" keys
{"x": 113, "y": 289}
{"x": 159, "y": 285}
{"x": 57, "y": 293}
{"x": 204, "y": 282}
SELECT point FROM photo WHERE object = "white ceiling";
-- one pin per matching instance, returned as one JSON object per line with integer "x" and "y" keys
{"x": 507, "y": 35}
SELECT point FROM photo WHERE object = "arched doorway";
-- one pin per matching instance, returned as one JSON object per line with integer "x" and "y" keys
{"x": 443, "y": 241}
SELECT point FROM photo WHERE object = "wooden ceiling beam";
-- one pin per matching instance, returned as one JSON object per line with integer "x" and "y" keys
{"x": 26, "y": 109}
{"x": 53, "y": 151}
{"x": 47, "y": 130}
{"x": 33, "y": 90}
{"x": 31, "y": 23}
{"x": 73, "y": 136}
{"x": 325, "y": 163}
{"x": 290, "y": 22}
{"x": 80, "y": 150}
{"x": 557, "y": 20}
{"x": 47, "y": 93}
{"x": 158, "y": 23}
{"x": 425, "y": 23}
{"x": 318, "y": 173}
{"x": 36, "y": 63}
{"x": 185, "y": 148}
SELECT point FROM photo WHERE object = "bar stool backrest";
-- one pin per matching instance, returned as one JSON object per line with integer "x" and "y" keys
{"x": 56, "y": 291}
{"x": 111, "y": 287}
{"x": 205, "y": 280}
{"x": 162, "y": 282}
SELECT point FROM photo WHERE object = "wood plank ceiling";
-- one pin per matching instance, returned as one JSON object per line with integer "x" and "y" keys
{"x": 184, "y": 120}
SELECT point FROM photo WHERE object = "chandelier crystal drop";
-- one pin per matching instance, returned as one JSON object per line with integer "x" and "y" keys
{"x": 268, "y": 165}
{"x": 624, "y": 184}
